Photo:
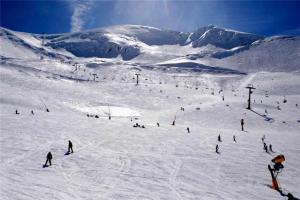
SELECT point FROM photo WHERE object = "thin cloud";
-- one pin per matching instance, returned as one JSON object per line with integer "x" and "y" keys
{"x": 78, "y": 18}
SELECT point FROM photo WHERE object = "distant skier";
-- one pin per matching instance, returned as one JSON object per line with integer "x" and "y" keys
{"x": 223, "y": 98}
{"x": 265, "y": 147}
{"x": 234, "y": 138}
{"x": 109, "y": 117}
{"x": 263, "y": 138}
{"x": 17, "y": 112}
{"x": 219, "y": 138}
{"x": 157, "y": 124}
{"x": 188, "y": 129}
{"x": 173, "y": 123}
{"x": 47, "y": 110}
{"x": 217, "y": 148}
{"x": 270, "y": 148}
{"x": 242, "y": 124}
{"x": 49, "y": 158}
{"x": 32, "y": 112}
{"x": 70, "y": 147}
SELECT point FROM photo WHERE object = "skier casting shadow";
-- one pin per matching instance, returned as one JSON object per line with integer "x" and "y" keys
{"x": 70, "y": 148}
{"x": 49, "y": 158}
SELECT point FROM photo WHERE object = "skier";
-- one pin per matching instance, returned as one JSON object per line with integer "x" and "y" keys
{"x": 219, "y": 138}
{"x": 234, "y": 138}
{"x": 49, "y": 158}
{"x": 157, "y": 124}
{"x": 17, "y": 113}
{"x": 242, "y": 124}
{"x": 223, "y": 98}
{"x": 32, "y": 112}
{"x": 70, "y": 147}
{"x": 265, "y": 147}
{"x": 263, "y": 138}
{"x": 47, "y": 110}
{"x": 188, "y": 129}
{"x": 270, "y": 148}
{"x": 173, "y": 123}
{"x": 217, "y": 148}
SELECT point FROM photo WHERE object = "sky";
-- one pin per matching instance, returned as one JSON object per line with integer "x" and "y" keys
{"x": 59, "y": 16}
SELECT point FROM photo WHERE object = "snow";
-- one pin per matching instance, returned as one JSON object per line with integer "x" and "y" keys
{"x": 114, "y": 160}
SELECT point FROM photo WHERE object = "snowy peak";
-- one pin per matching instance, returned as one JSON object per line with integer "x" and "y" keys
{"x": 223, "y": 38}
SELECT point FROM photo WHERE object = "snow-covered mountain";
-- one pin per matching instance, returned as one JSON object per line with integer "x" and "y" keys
{"x": 151, "y": 47}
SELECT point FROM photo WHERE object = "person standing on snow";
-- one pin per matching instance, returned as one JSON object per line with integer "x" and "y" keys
{"x": 70, "y": 147}
{"x": 217, "y": 148}
{"x": 49, "y": 158}
{"x": 265, "y": 147}
{"x": 219, "y": 138}
{"x": 242, "y": 124}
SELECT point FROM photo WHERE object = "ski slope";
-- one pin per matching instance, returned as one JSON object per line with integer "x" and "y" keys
{"x": 114, "y": 160}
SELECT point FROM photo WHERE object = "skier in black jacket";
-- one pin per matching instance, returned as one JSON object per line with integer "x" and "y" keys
{"x": 70, "y": 147}
{"x": 49, "y": 158}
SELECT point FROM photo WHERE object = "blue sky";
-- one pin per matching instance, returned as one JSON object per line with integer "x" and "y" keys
{"x": 57, "y": 16}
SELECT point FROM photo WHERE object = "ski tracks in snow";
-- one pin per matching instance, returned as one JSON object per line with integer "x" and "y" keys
{"x": 172, "y": 179}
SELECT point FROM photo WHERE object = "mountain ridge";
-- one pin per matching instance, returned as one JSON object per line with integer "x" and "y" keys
{"x": 210, "y": 46}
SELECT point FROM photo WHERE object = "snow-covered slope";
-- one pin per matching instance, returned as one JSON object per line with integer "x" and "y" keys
{"x": 112, "y": 159}
{"x": 27, "y": 46}
{"x": 222, "y": 38}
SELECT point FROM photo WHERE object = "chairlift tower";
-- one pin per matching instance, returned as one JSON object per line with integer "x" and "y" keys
{"x": 250, "y": 87}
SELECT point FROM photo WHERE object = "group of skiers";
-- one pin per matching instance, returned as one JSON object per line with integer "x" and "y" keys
{"x": 137, "y": 125}
{"x": 32, "y": 113}
{"x": 49, "y": 155}
{"x": 266, "y": 148}
{"x": 220, "y": 140}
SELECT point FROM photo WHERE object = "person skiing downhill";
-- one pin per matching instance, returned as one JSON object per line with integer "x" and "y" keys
{"x": 188, "y": 129}
{"x": 70, "y": 147}
{"x": 49, "y": 158}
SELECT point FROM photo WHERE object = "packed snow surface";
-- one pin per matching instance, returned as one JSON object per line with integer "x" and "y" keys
{"x": 95, "y": 103}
